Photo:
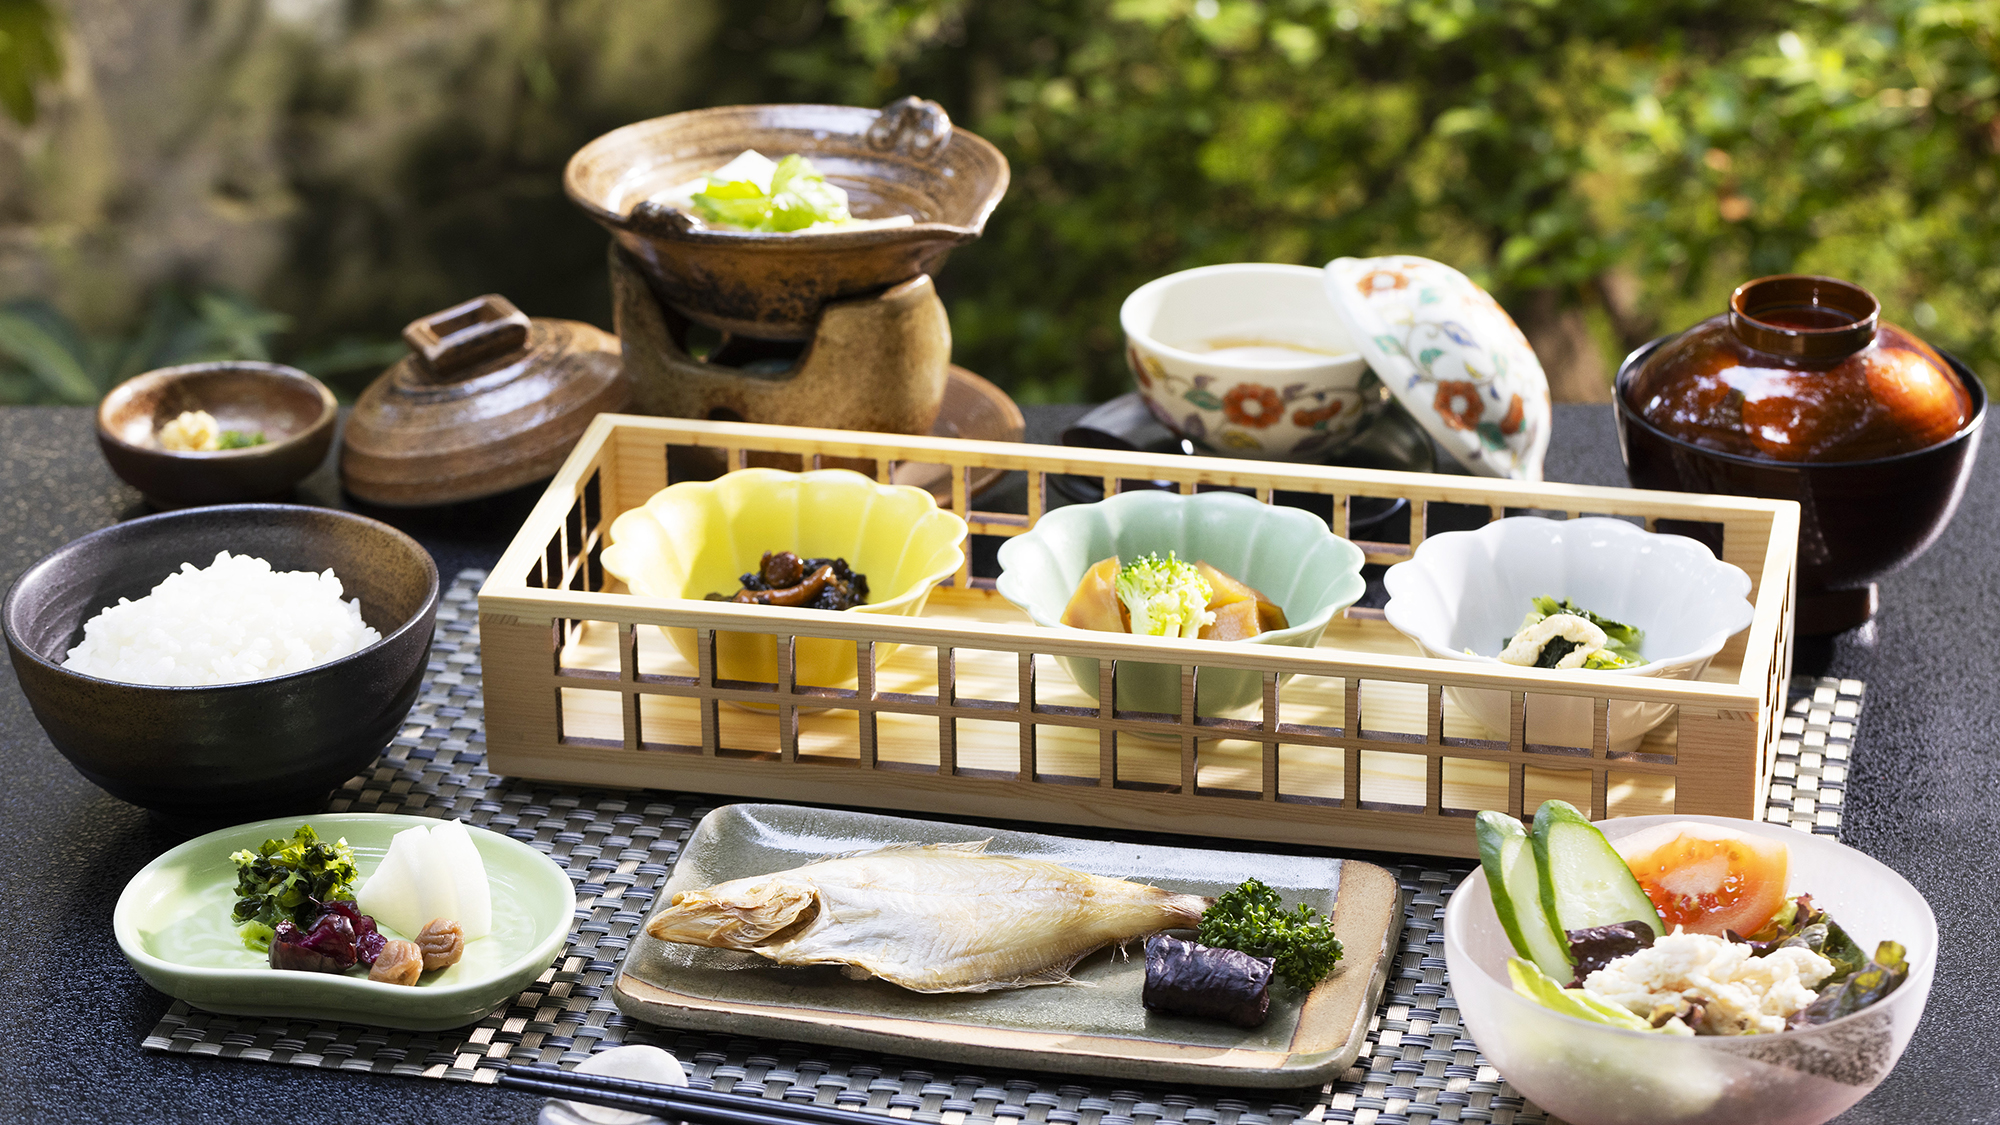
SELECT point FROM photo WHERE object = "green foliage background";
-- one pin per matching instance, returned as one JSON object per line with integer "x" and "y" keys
{"x": 1625, "y": 160}
{"x": 1634, "y": 159}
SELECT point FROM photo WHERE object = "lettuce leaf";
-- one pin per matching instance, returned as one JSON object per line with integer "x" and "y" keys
{"x": 1530, "y": 981}
{"x": 1801, "y": 923}
{"x": 799, "y": 197}
{"x": 1883, "y": 974}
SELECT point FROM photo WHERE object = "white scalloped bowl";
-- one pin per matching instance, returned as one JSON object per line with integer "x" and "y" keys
{"x": 1469, "y": 590}
{"x": 1287, "y": 554}
{"x": 1588, "y": 1072}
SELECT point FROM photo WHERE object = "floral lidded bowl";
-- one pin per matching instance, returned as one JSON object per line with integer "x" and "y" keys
{"x": 1451, "y": 355}
{"x": 1248, "y": 360}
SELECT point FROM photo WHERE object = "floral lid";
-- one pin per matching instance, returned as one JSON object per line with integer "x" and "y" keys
{"x": 1452, "y": 356}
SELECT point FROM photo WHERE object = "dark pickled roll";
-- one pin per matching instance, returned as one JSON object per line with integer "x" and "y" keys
{"x": 1194, "y": 980}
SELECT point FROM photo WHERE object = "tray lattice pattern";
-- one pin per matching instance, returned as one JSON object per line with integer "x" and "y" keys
{"x": 618, "y": 847}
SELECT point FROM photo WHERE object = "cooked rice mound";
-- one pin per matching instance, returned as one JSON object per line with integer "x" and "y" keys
{"x": 233, "y": 620}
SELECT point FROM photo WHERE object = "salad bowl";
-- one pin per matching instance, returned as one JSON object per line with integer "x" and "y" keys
{"x": 1594, "y": 1074}
{"x": 1287, "y": 554}
{"x": 905, "y": 159}
{"x": 1462, "y": 593}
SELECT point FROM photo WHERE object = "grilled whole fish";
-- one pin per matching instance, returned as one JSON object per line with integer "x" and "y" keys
{"x": 931, "y": 918}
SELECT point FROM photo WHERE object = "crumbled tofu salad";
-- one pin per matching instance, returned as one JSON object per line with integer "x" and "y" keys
{"x": 1562, "y": 634}
{"x": 1684, "y": 929}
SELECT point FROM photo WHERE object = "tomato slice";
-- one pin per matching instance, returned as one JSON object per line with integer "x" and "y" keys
{"x": 1708, "y": 879}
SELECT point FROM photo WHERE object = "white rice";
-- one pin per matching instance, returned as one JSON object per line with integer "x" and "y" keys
{"x": 233, "y": 620}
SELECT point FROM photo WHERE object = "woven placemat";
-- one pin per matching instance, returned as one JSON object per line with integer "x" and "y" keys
{"x": 618, "y": 847}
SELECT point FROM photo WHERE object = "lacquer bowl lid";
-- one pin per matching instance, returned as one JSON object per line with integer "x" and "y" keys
{"x": 1452, "y": 356}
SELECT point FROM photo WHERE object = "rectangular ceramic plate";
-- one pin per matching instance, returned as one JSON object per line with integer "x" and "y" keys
{"x": 1095, "y": 1028}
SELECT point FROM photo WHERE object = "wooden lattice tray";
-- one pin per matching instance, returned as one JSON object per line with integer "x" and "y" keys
{"x": 971, "y": 716}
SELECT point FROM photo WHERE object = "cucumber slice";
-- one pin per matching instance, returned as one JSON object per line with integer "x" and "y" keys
{"x": 1585, "y": 882}
{"x": 1512, "y": 876}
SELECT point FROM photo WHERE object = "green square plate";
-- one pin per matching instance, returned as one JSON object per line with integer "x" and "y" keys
{"x": 173, "y": 924}
{"x": 1097, "y": 1028}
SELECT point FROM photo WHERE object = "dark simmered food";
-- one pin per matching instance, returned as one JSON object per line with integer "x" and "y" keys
{"x": 1184, "y": 978}
{"x": 784, "y": 578}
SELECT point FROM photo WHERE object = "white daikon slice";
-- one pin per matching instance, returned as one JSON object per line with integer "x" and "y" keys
{"x": 392, "y": 895}
{"x": 458, "y": 859}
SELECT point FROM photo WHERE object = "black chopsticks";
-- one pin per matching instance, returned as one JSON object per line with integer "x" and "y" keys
{"x": 675, "y": 1103}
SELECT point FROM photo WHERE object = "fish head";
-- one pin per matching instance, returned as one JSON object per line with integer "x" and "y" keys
{"x": 740, "y": 914}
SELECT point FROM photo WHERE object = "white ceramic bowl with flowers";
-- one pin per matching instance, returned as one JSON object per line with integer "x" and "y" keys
{"x": 1248, "y": 360}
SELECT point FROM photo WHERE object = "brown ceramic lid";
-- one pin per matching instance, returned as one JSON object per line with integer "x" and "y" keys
{"x": 488, "y": 400}
{"x": 1801, "y": 368}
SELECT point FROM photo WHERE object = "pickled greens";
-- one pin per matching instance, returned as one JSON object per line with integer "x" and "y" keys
{"x": 289, "y": 880}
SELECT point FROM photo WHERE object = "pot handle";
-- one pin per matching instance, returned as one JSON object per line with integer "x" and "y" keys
{"x": 448, "y": 344}
{"x": 914, "y": 126}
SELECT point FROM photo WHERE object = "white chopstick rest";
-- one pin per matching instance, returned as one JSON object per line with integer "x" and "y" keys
{"x": 646, "y": 1064}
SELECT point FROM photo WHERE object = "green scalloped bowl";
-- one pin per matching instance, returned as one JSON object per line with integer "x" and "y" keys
{"x": 1288, "y": 554}
{"x": 172, "y": 923}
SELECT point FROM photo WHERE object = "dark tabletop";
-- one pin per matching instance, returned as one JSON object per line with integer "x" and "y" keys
{"x": 1923, "y": 796}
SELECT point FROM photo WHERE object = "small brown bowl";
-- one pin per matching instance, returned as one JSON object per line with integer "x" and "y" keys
{"x": 906, "y": 159}
{"x": 294, "y": 411}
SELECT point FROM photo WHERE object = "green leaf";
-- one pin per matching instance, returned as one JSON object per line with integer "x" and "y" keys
{"x": 30, "y": 54}
{"x": 1251, "y": 918}
{"x": 1204, "y": 399}
{"x": 1878, "y": 978}
{"x": 1530, "y": 981}
{"x": 1428, "y": 356}
{"x": 34, "y": 347}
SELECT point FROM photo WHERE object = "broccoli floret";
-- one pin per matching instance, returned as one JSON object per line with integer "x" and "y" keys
{"x": 1166, "y": 597}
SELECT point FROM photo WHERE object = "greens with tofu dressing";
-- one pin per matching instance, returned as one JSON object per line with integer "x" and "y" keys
{"x": 1562, "y": 634}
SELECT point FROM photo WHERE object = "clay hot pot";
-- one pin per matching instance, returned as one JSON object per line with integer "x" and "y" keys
{"x": 905, "y": 159}
{"x": 1799, "y": 392}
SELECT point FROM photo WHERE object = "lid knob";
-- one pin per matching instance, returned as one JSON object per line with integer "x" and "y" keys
{"x": 448, "y": 345}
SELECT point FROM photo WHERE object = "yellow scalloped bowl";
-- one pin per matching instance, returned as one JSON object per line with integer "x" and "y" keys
{"x": 697, "y": 538}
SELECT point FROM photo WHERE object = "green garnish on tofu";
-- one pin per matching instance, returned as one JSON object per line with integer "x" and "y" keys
{"x": 1166, "y": 597}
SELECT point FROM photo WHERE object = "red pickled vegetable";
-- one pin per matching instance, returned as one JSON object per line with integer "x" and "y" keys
{"x": 340, "y": 937}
